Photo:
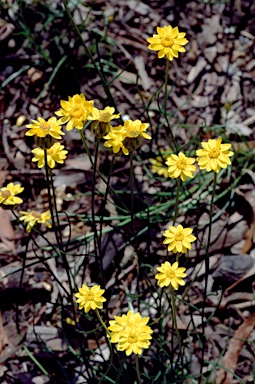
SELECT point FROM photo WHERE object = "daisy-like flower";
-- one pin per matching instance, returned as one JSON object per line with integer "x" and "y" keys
{"x": 33, "y": 217}
{"x": 114, "y": 140}
{"x": 134, "y": 129}
{"x": 42, "y": 128}
{"x": 75, "y": 111}
{"x": 159, "y": 167}
{"x": 101, "y": 120}
{"x": 170, "y": 275}
{"x": 179, "y": 239}
{"x": 214, "y": 155}
{"x": 55, "y": 154}
{"x": 8, "y": 194}
{"x": 180, "y": 166}
{"x": 104, "y": 115}
{"x": 131, "y": 332}
{"x": 90, "y": 298}
{"x": 168, "y": 41}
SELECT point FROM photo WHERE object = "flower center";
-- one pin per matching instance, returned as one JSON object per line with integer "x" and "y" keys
{"x": 45, "y": 126}
{"x": 36, "y": 214}
{"x": 132, "y": 338}
{"x": 167, "y": 41}
{"x": 214, "y": 153}
{"x": 6, "y": 194}
{"x": 89, "y": 296}
{"x": 181, "y": 164}
{"x": 171, "y": 274}
{"x": 179, "y": 236}
{"x": 77, "y": 112}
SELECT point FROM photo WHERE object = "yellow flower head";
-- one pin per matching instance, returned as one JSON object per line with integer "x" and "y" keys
{"x": 55, "y": 154}
{"x": 75, "y": 111}
{"x": 180, "y": 166}
{"x": 133, "y": 129}
{"x": 90, "y": 298}
{"x": 104, "y": 115}
{"x": 214, "y": 155}
{"x": 158, "y": 166}
{"x": 114, "y": 140}
{"x": 169, "y": 41}
{"x": 179, "y": 239}
{"x": 42, "y": 128}
{"x": 8, "y": 194}
{"x": 33, "y": 217}
{"x": 131, "y": 332}
{"x": 170, "y": 275}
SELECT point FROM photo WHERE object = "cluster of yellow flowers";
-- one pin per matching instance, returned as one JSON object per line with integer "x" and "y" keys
{"x": 130, "y": 332}
{"x": 213, "y": 156}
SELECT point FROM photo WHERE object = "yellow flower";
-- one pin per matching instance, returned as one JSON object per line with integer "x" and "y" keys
{"x": 115, "y": 140}
{"x": 179, "y": 239}
{"x": 159, "y": 167}
{"x": 133, "y": 129}
{"x": 180, "y": 166}
{"x": 168, "y": 42}
{"x": 90, "y": 298}
{"x": 131, "y": 332}
{"x": 170, "y": 275}
{"x": 104, "y": 115}
{"x": 55, "y": 154}
{"x": 33, "y": 217}
{"x": 214, "y": 155}
{"x": 42, "y": 128}
{"x": 75, "y": 111}
{"x": 8, "y": 194}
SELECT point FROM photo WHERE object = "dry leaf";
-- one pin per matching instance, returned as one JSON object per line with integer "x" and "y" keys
{"x": 7, "y": 233}
{"x": 230, "y": 358}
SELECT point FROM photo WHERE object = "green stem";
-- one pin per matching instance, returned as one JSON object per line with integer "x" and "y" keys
{"x": 166, "y": 84}
{"x": 207, "y": 268}
{"x": 137, "y": 369}
{"x": 55, "y": 206}
{"x": 177, "y": 199}
{"x": 165, "y": 104}
{"x": 102, "y": 323}
{"x": 86, "y": 146}
{"x": 175, "y": 322}
{"x": 104, "y": 82}
{"x": 132, "y": 182}
{"x": 96, "y": 239}
{"x": 55, "y": 229}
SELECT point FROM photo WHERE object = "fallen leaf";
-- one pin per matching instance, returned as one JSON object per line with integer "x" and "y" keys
{"x": 7, "y": 232}
{"x": 230, "y": 358}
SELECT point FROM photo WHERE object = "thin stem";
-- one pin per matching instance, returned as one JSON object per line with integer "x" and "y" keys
{"x": 102, "y": 208}
{"x": 137, "y": 369}
{"x": 177, "y": 199}
{"x": 166, "y": 84}
{"x": 55, "y": 229}
{"x": 104, "y": 82}
{"x": 97, "y": 171}
{"x": 102, "y": 323}
{"x": 165, "y": 104}
{"x": 175, "y": 322}
{"x": 207, "y": 266}
{"x": 132, "y": 181}
{"x": 96, "y": 240}
{"x": 55, "y": 205}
